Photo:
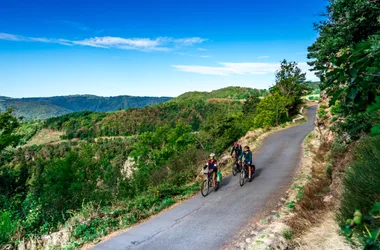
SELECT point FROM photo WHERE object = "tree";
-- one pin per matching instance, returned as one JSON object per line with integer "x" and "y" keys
{"x": 290, "y": 82}
{"x": 8, "y": 124}
{"x": 250, "y": 104}
{"x": 271, "y": 111}
{"x": 374, "y": 111}
{"x": 346, "y": 53}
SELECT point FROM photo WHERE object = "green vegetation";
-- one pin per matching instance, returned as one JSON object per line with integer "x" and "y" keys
{"x": 271, "y": 111}
{"x": 346, "y": 53}
{"x": 370, "y": 222}
{"x": 362, "y": 179}
{"x": 46, "y": 107}
{"x": 87, "y": 124}
{"x": 126, "y": 165}
{"x": 346, "y": 57}
{"x": 232, "y": 93}
{"x": 27, "y": 130}
{"x": 8, "y": 125}
{"x": 291, "y": 84}
{"x": 287, "y": 234}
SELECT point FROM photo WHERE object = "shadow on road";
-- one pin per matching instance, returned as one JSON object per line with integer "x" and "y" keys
{"x": 227, "y": 180}
{"x": 258, "y": 172}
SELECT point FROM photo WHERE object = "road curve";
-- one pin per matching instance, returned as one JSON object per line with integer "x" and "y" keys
{"x": 208, "y": 223}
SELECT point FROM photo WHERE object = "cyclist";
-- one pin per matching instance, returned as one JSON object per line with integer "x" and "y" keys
{"x": 237, "y": 150}
{"x": 212, "y": 167}
{"x": 247, "y": 154}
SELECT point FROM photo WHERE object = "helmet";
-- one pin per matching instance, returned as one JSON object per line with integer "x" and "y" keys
{"x": 235, "y": 143}
{"x": 212, "y": 155}
{"x": 246, "y": 147}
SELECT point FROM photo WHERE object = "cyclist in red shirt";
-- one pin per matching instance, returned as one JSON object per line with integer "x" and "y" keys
{"x": 212, "y": 166}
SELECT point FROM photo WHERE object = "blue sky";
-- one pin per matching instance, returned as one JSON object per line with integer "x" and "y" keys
{"x": 149, "y": 47}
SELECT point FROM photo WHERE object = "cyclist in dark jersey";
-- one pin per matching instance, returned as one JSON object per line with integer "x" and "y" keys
{"x": 212, "y": 166}
{"x": 247, "y": 154}
{"x": 237, "y": 150}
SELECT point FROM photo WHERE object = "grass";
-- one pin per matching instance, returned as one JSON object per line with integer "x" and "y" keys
{"x": 309, "y": 196}
{"x": 291, "y": 205}
{"x": 299, "y": 195}
{"x": 361, "y": 183}
{"x": 287, "y": 234}
{"x": 314, "y": 97}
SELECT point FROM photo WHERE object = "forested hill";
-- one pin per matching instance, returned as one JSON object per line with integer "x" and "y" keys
{"x": 46, "y": 107}
{"x": 191, "y": 108}
{"x": 233, "y": 93}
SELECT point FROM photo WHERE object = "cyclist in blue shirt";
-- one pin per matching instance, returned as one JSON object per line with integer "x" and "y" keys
{"x": 247, "y": 154}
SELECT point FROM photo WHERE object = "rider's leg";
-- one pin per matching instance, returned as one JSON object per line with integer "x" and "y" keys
{"x": 214, "y": 177}
{"x": 249, "y": 170}
{"x": 238, "y": 164}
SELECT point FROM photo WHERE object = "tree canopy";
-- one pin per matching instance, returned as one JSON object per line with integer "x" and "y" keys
{"x": 346, "y": 54}
{"x": 291, "y": 83}
{"x": 8, "y": 125}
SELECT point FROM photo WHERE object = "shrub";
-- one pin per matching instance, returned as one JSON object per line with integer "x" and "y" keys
{"x": 362, "y": 179}
{"x": 336, "y": 108}
{"x": 6, "y": 227}
{"x": 328, "y": 171}
{"x": 322, "y": 112}
{"x": 287, "y": 234}
{"x": 337, "y": 148}
{"x": 354, "y": 125}
{"x": 271, "y": 111}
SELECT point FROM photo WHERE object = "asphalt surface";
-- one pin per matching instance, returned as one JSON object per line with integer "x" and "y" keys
{"x": 209, "y": 222}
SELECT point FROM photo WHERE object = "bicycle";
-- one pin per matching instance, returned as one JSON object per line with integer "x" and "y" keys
{"x": 208, "y": 183}
{"x": 236, "y": 167}
{"x": 244, "y": 173}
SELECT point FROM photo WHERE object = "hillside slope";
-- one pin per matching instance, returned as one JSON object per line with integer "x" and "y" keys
{"x": 233, "y": 93}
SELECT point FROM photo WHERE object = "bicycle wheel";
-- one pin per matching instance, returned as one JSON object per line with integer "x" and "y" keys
{"x": 234, "y": 170}
{"x": 205, "y": 187}
{"x": 242, "y": 178}
{"x": 217, "y": 186}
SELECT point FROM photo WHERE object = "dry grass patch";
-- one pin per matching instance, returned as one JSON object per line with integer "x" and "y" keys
{"x": 45, "y": 136}
{"x": 324, "y": 237}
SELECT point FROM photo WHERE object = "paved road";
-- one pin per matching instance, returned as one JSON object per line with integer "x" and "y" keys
{"x": 208, "y": 223}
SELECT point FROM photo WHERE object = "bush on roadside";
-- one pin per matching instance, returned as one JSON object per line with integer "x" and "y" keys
{"x": 7, "y": 226}
{"x": 354, "y": 126}
{"x": 362, "y": 179}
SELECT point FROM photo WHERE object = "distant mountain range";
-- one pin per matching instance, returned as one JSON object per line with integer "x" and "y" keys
{"x": 46, "y": 107}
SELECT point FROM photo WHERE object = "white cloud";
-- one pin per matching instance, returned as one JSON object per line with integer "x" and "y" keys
{"x": 202, "y": 49}
{"x": 205, "y": 56}
{"x": 309, "y": 74}
{"x": 263, "y": 57}
{"x": 247, "y": 68}
{"x": 143, "y": 44}
{"x": 190, "y": 41}
{"x": 226, "y": 68}
{"x": 10, "y": 37}
{"x": 120, "y": 43}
